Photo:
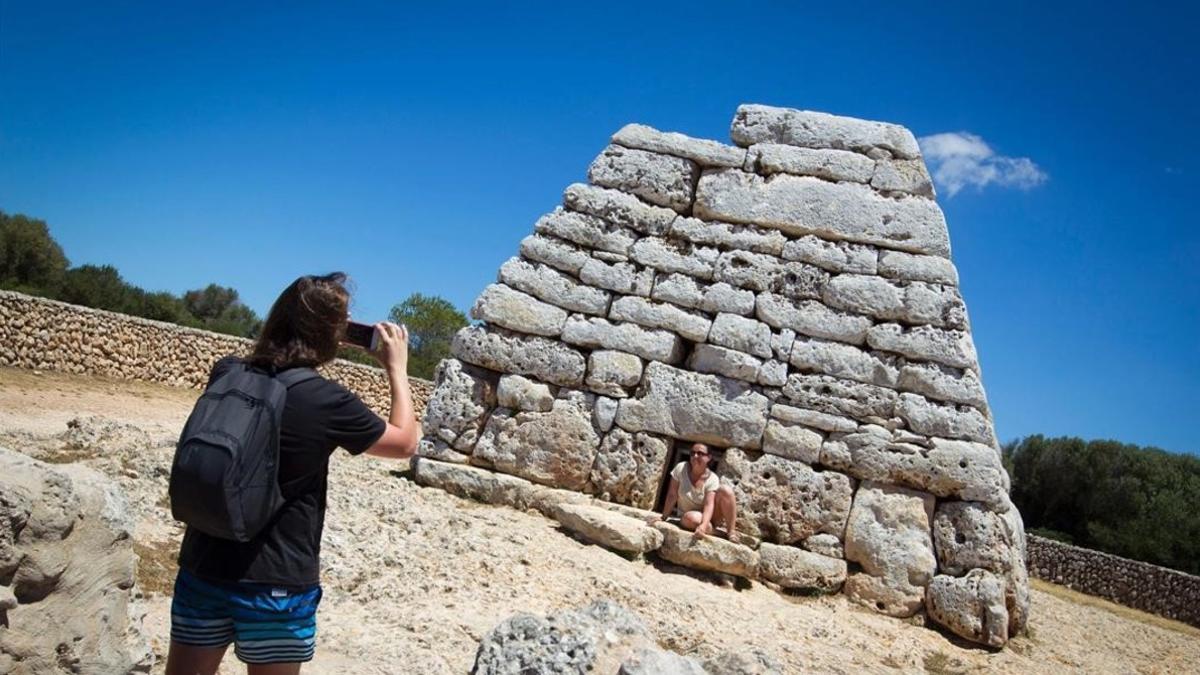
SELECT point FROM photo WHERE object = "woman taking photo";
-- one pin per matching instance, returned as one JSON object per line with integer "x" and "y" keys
{"x": 262, "y": 594}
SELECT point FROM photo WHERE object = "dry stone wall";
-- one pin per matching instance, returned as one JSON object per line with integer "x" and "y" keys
{"x": 45, "y": 334}
{"x": 1161, "y": 591}
{"x": 789, "y": 300}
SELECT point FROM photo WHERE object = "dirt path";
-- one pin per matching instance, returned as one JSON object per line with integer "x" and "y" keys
{"x": 414, "y": 577}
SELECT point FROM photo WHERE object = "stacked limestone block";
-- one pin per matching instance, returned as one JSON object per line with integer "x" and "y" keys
{"x": 789, "y": 300}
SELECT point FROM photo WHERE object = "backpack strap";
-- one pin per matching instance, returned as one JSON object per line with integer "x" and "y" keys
{"x": 293, "y": 376}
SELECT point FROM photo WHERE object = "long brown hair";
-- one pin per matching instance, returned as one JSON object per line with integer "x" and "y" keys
{"x": 305, "y": 324}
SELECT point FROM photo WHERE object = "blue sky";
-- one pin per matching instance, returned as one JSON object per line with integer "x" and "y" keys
{"x": 413, "y": 147}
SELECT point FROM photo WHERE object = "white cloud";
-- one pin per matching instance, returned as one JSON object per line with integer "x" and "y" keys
{"x": 960, "y": 159}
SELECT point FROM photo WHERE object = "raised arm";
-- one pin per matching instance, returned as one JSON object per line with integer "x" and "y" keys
{"x": 403, "y": 432}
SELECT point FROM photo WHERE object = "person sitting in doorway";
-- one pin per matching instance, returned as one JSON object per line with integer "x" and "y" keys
{"x": 701, "y": 498}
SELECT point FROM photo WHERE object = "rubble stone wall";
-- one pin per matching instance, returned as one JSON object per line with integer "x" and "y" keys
{"x": 789, "y": 300}
{"x": 37, "y": 333}
{"x": 1150, "y": 588}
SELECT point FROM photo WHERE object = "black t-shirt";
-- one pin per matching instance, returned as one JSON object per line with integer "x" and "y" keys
{"x": 319, "y": 416}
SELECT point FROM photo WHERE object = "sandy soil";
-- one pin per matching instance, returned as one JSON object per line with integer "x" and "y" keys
{"x": 415, "y": 577}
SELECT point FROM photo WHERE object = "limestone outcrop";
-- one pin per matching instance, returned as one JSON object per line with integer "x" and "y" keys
{"x": 789, "y": 300}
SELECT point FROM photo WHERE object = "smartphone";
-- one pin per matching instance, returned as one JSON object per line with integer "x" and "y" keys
{"x": 362, "y": 335}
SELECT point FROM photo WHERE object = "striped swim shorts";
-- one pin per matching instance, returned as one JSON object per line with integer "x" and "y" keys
{"x": 267, "y": 624}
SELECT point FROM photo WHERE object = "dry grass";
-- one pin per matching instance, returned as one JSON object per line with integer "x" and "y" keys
{"x": 1064, "y": 593}
{"x": 156, "y": 567}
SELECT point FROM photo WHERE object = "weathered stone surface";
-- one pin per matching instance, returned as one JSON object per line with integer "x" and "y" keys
{"x": 461, "y": 399}
{"x": 742, "y": 334}
{"x": 67, "y": 548}
{"x": 556, "y": 448}
{"x": 679, "y": 289}
{"x": 618, "y": 207}
{"x": 934, "y": 304}
{"x": 673, "y": 255}
{"x": 812, "y": 318}
{"x": 767, "y": 124}
{"x": 913, "y": 302}
{"x": 605, "y": 413}
{"x": 781, "y": 343}
{"x": 701, "y": 151}
{"x": 612, "y": 372}
{"x": 472, "y": 482}
{"x": 764, "y": 273}
{"x": 945, "y": 420}
{"x": 840, "y": 397}
{"x": 707, "y": 358}
{"x": 835, "y": 256}
{"x": 595, "y": 333}
{"x": 902, "y": 175}
{"x": 967, "y": 535}
{"x": 621, "y": 277}
{"x": 888, "y": 534}
{"x": 1016, "y": 587}
{"x": 911, "y": 267}
{"x": 691, "y": 325}
{"x": 549, "y": 285}
{"x": 792, "y": 441}
{"x": 943, "y": 383}
{"x": 825, "y": 544}
{"x": 608, "y": 528}
{"x": 695, "y": 407}
{"x": 660, "y": 662}
{"x": 959, "y": 469}
{"x": 769, "y": 158}
{"x": 512, "y": 309}
{"x": 440, "y": 449}
{"x": 587, "y": 231}
{"x": 629, "y": 468}
{"x": 971, "y": 606}
{"x": 812, "y": 418}
{"x": 773, "y": 373}
{"x": 521, "y": 393}
{"x": 799, "y": 205}
{"x": 925, "y": 343}
{"x": 728, "y": 235}
{"x": 554, "y": 252}
{"x": 811, "y": 355}
{"x": 791, "y": 567}
{"x": 706, "y": 553}
{"x": 659, "y": 179}
{"x": 721, "y": 297}
{"x": 785, "y": 501}
{"x": 544, "y": 359}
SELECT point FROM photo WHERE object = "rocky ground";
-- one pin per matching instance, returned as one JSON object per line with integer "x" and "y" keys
{"x": 415, "y": 577}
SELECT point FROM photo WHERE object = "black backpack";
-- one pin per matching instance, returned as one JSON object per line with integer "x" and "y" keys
{"x": 225, "y": 476}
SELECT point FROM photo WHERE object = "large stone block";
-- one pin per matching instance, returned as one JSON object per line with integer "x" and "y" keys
{"x": 659, "y": 179}
{"x": 728, "y": 235}
{"x": 547, "y": 360}
{"x": 792, "y": 441}
{"x": 619, "y": 208}
{"x": 742, "y": 334}
{"x": 799, "y": 205}
{"x": 835, "y": 256}
{"x": 512, "y": 309}
{"x": 520, "y": 393}
{"x": 595, "y": 333}
{"x": 967, "y": 535}
{"x": 926, "y": 343}
{"x": 755, "y": 123}
{"x": 695, "y": 407}
{"x": 838, "y": 359}
{"x": 707, "y": 358}
{"x": 703, "y": 152}
{"x": 673, "y": 255}
{"x": 791, "y": 567}
{"x": 612, "y": 372}
{"x": 721, "y": 297}
{"x": 971, "y": 606}
{"x": 712, "y": 554}
{"x": 686, "y": 291}
{"x": 549, "y": 285}
{"x": 902, "y": 175}
{"x": 629, "y": 468}
{"x": 587, "y": 231}
{"x": 769, "y": 158}
{"x": 813, "y": 418}
{"x": 943, "y": 383}
{"x": 691, "y": 325}
{"x": 786, "y": 501}
{"x": 554, "y": 252}
{"x": 608, "y": 528}
{"x": 462, "y": 397}
{"x": 764, "y": 273}
{"x": 910, "y": 267}
{"x": 622, "y": 277}
{"x": 555, "y": 448}
{"x": 840, "y": 397}
{"x": 810, "y": 317}
{"x": 945, "y": 420}
{"x": 888, "y": 534}
{"x": 958, "y": 469}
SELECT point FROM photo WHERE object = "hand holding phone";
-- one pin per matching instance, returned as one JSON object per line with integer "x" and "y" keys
{"x": 362, "y": 335}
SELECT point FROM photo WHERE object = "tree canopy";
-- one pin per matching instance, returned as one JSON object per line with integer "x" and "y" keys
{"x": 432, "y": 322}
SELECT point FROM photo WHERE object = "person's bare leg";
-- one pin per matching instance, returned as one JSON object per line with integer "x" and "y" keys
{"x": 273, "y": 668}
{"x": 726, "y": 510}
{"x": 191, "y": 660}
{"x": 691, "y": 520}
